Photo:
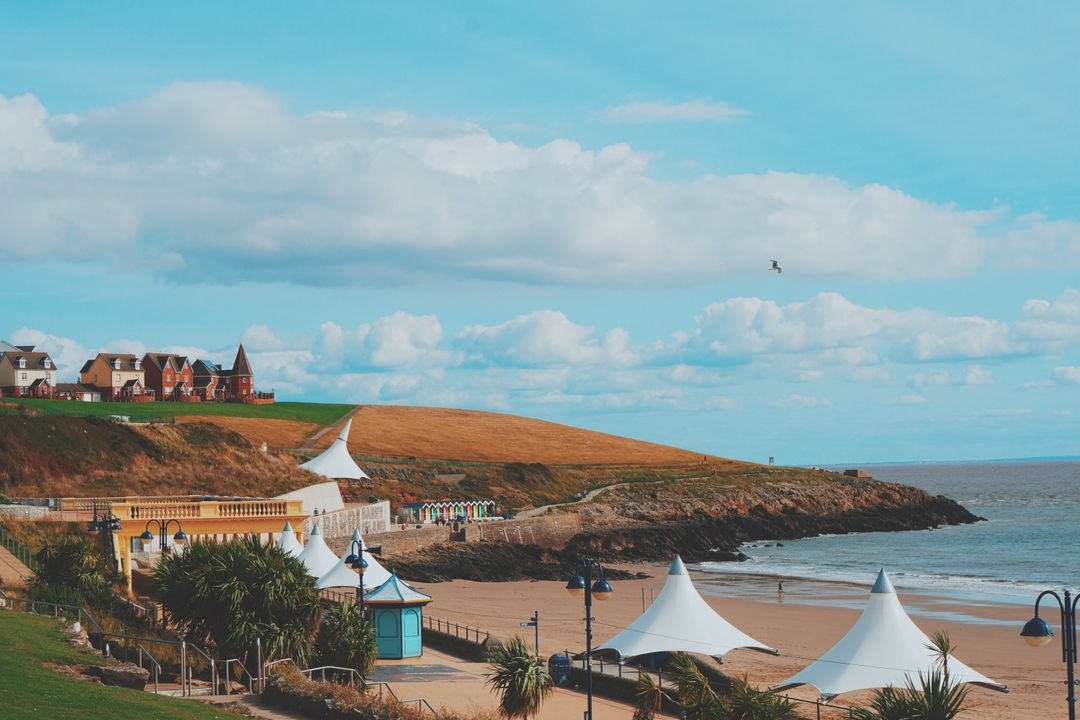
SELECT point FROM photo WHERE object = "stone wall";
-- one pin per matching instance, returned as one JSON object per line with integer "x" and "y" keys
{"x": 551, "y": 531}
{"x": 371, "y": 519}
{"x": 397, "y": 542}
{"x": 24, "y": 512}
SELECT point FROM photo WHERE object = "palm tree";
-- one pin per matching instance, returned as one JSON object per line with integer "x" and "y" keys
{"x": 519, "y": 677}
{"x": 936, "y": 697}
{"x": 743, "y": 702}
{"x": 648, "y": 697}
{"x": 942, "y": 646}
{"x": 345, "y": 639}
{"x": 227, "y": 595}
{"x": 696, "y": 696}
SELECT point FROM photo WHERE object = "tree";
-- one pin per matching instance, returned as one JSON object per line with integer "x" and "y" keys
{"x": 936, "y": 697}
{"x": 520, "y": 678}
{"x": 648, "y": 697}
{"x": 345, "y": 639}
{"x": 699, "y": 700}
{"x": 71, "y": 570}
{"x": 942, "y": 646}
{"x": 226, "y": 595}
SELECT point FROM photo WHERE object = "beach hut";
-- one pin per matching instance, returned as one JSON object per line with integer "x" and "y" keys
{"x": 679, "y": 620}
{"x": 884, "y": 647}
{"x": 316, "y": 555}
{"x": 287, "y": 541}
{"x": 397, "y": 612}
{"x": 336, "y": 462}
{"x": 341, "y": 575}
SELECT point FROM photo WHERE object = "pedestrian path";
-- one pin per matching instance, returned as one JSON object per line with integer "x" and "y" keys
{"x": 12, "y": 572}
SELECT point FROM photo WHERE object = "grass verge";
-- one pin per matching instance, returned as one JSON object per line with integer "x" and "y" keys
{"x": 321, "y": 413}
{"x": 30, "y": 691}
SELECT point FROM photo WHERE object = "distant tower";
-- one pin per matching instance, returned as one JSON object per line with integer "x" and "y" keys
{"x": 770, "y": 459}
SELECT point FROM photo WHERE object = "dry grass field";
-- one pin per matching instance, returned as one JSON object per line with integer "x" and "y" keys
{"x": 437, "y": 433}
{"x": 275, "y": 433}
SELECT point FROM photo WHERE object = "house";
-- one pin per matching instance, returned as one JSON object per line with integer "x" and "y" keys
{"x": 117, "y": 376}
{"x": 75, "y": 391}
{"x": 26, "y": 373}
{"x": 239, "y": 382}
{"x": 207, "y": 381}
{"x": 169, "y": 376}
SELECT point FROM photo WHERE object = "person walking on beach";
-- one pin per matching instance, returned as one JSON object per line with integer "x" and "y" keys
{"x": 780, "y": 591}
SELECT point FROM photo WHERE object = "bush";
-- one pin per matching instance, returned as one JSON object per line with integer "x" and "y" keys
{"x": 345, "y": 639}
{"x": 290, "y": 689}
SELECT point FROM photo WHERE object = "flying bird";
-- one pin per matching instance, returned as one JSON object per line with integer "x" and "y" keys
{"x": 776, "y": 267}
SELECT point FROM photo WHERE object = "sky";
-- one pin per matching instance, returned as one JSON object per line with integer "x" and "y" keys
{"x": 568, "y": 211}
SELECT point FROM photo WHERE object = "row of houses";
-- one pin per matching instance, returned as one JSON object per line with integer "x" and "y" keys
{"x": 115, "y": 377}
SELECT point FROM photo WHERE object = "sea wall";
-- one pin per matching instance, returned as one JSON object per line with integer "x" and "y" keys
{"x": 370, "y": 519}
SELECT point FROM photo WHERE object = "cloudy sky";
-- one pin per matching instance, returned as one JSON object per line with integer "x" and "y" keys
{"x": 567, "y": 211}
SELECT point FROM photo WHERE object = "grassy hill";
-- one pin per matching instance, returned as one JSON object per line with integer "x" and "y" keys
{"x": 316, "y": 413}
{"x": 33, "y": 684}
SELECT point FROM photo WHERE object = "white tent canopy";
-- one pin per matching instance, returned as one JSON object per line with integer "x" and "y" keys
{"x": 316, "y": 555}
{"x": 884, "y": 647}
{"x": 336, "y": 462}
{"x": 679, "y": 620}
{"x": 287, "y": 541}
{"x": 341, "y": 575}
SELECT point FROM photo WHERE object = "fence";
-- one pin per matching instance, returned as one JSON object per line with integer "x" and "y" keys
{"x": 445, "y": 626}
{"x": 16, "y": 547}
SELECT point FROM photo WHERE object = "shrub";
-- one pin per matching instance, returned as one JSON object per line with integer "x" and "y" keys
{"x": 345, "y": 639}
{"x": 520, "y": 678}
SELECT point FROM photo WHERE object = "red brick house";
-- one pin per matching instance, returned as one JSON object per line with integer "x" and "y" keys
{"x": 238, "y": 383}
{"x": 208, "y": 385}
{"x": 169, "y": 376}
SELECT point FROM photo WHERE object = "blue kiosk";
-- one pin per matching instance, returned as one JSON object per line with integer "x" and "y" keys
{"x": 397, "y": 612}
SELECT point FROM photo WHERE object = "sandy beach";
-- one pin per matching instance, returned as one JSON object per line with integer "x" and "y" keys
{"x": 812, "y": 617}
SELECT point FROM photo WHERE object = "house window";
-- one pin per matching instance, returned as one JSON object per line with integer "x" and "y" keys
{"x": 23, "y": 376}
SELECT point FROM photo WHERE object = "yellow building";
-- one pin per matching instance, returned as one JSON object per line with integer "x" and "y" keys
{"x": 118, "y": 376}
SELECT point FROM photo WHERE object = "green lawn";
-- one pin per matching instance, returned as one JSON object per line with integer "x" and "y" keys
{"x": 31, "y": 691}
{"x": 321, "y": 413}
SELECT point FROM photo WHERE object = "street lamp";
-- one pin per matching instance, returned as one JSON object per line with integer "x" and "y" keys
{"x": 105, "y": 526}
{"x": 582, "y": 585}
{"x": 1037, "y": 633}
{"x": 147, "y": 537}
{"x": 356, "y": 561}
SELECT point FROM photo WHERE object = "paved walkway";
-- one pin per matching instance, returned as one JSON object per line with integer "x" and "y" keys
{"x": 12, "y": 572}
{"x": 310, "y": 442}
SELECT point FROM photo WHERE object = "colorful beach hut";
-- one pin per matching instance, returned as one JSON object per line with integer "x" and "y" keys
{"x": 884, "y": 647}
{"x": 679, "y": 620}
{"x": 397, "y": 612}
{"x": 336, "y": 462}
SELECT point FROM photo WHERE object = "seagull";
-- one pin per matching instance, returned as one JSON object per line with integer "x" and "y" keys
{"x": 776, "y": 267}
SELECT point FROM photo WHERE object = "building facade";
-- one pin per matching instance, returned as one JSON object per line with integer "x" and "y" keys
{"x": 430, "y": 511}
{"x": 169, "y": 376}
{"x": 117, "y": 376}
{"x": 26, "y": 373}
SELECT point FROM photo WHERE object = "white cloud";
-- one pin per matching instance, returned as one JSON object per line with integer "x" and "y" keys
{"x": 218, "y": 182}
{"x": 796, "y": 400}
{"x": 972, "y": 375}
{"x": 399, "y": 340}
{"x": 659, "y": 111}
{"x": 1068, "y": 374}
{"x": 546, "y": 338}
{"x": 69, "y": 355}
{"x": 260, "y": 337}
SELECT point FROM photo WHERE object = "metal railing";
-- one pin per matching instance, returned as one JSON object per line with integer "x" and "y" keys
{"x": 157, "y": 666}
{"x": 351, "y": 673}
{"x": 17, "y": 548}
{"x": 445, "y": 626}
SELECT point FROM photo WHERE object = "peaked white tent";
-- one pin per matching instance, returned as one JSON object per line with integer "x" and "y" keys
{"x": 287, "y": 541}
{"x": 336, "y": 462}
{"x": 884, "y": 647}
{"x": 680, "y": 620}
{"x": 341, "y": 575}
{"x": 316, "y": 555}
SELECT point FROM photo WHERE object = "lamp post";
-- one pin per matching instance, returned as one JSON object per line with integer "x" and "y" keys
{"x": 582, "y": 585}
{"x": 534, "y": 622}
{"x": 356, "y": 561}
{"x": 147, "y": 537}
{"x": 105, "y": 526}
{"x": 1037, "y": 633}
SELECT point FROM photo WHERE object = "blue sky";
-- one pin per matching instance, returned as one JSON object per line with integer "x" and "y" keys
{"x": 566, "y": 210}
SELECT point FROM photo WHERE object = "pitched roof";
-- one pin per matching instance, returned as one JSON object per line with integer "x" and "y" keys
{"x": 396, "y": 592}
{"x": 241, "y": 366}
{"x": 127, "y": 361}
{"x": 5, "y": 346}
{"x": 884, "y": 647}
{"x": 680, "y": 620}
{"x": 163, "y": 360}
{"x": 34, "y": 360}
{"x": 76, "y": 388}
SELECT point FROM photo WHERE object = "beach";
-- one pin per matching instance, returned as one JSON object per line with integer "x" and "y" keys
{"x": 812, "y": 617}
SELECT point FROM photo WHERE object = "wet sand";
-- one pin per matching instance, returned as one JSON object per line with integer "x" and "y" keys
{"x": 812, "y": 617}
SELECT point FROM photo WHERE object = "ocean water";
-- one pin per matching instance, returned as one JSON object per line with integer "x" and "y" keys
{"x": 1029, "y": 542}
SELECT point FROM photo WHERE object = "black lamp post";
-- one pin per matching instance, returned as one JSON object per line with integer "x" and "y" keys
{"x": 1037, "y": 633}
{"x": 163, "y": 528}
{"x": 105, "y": 526}
{"x": 582, "y": 585}
{"x": 356, "y": 561}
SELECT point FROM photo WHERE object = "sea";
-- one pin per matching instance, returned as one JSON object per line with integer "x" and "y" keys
{"x": 1029, "y": 541}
